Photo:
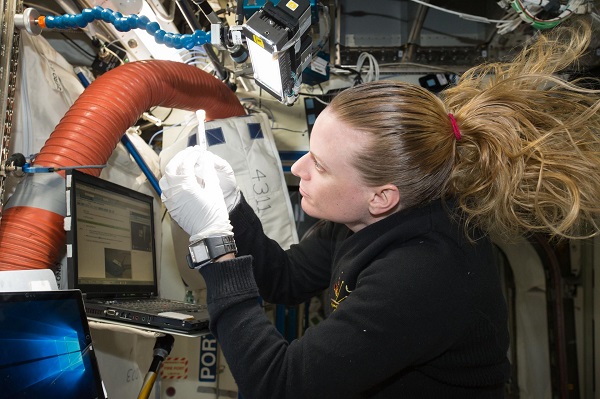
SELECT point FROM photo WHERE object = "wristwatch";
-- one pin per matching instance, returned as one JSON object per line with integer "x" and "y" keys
{"x": 206, "y": 250}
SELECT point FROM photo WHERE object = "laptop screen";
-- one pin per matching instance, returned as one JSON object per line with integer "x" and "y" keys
{"x": 111, "y": 237}
{"x": 46, "y": 349}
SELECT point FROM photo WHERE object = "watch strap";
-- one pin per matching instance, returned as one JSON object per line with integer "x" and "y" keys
{"x": 206, "y": 250}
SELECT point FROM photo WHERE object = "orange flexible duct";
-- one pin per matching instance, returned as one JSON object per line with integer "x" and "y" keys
{"x": 31, "y": 231}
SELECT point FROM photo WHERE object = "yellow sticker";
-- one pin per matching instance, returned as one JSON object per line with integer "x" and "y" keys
{"x": 258, "y": 41}
{"x": 292, "y": 5}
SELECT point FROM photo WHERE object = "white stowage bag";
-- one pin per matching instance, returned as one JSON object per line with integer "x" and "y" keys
{"x": 45, "y": 90}
{"x": 248, "y": 145}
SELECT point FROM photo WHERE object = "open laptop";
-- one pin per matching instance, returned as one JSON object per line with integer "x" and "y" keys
{"x": 46, "y": 349}
{"x": 111, "y": 257}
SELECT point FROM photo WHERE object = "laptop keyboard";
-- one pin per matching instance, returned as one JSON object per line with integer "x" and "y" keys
{"x": 160, "y": 305}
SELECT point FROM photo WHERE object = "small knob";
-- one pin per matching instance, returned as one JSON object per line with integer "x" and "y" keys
{"x": 28, "y": 21}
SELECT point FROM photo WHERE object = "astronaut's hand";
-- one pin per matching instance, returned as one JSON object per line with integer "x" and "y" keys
{"x": 192, "y": 194}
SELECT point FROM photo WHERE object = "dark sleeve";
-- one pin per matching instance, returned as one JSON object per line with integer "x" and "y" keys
{"x": 395, "y": 318}
{"x": 285, "y": 277}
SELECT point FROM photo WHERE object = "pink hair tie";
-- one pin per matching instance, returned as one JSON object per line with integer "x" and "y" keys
{"x": 455, "y": 128}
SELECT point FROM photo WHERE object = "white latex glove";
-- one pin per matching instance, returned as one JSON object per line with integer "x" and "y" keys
{"x": 227, "y": 181}
{"x": 192, "y": 194}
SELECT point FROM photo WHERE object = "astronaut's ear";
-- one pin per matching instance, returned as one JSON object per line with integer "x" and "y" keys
{"x": 384, "y": 199}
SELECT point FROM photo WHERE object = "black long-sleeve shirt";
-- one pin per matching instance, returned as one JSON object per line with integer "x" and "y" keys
{"x": 418, "y": 311}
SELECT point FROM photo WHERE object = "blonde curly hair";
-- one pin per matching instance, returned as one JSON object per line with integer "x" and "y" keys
{"x": 528, "y": 157}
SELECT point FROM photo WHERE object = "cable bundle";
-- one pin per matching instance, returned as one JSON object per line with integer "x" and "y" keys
{"x": 528, "y": 11}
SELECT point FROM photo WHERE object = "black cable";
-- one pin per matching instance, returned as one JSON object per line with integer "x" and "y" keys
{"x": 72, "y": 42}
{"x": 239, "y": 12}
{"x": 360, "y": 13}
{"x": 164, "y": 118}
{"x": 290, "y": 130}
{"x": 16, "y": 159}
{"x": 357, "y": 79}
